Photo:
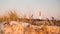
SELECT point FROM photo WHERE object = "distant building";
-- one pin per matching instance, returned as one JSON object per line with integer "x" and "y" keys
{"x": 40, "y": 15}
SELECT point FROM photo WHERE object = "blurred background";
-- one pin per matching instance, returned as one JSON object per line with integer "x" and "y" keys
{"x": 48, "y": 8}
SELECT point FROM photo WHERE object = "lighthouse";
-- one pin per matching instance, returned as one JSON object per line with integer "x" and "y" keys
{"x": 40, "y": 15}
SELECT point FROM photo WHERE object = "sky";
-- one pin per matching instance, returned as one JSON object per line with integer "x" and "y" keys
{"x": 48, "y": 8}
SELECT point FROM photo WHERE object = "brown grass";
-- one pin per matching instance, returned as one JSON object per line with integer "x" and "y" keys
{"x": 12, "y": 16}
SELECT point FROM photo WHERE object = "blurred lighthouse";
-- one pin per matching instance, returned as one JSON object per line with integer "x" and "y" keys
{"x": 40, "y": 15}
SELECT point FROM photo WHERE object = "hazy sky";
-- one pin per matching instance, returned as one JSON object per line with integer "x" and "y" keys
{"x": 48, "y": 8}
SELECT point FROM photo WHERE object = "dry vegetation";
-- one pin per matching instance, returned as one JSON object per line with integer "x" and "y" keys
{"x": 45, "y": 28}
{"x": 12, "y": 15}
